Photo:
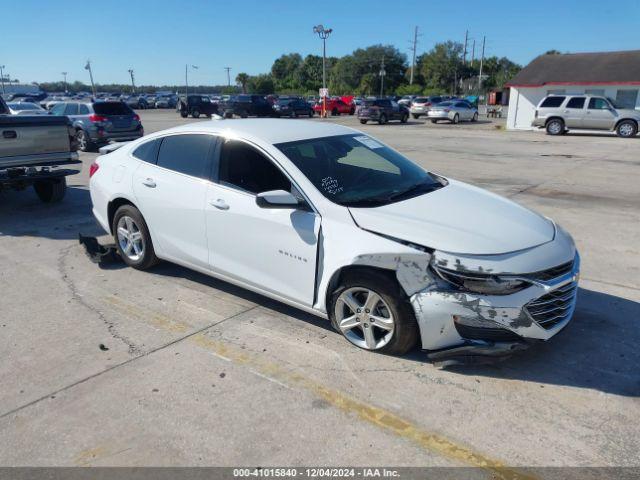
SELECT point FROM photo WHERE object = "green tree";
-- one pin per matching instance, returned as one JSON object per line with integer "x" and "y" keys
{"x": 285, "y": 72}
{"x": 442, "y": 66}
{"x": 348, "y": 74}
{"x": 262, "y": 84}
{"x": 242, "y": 79}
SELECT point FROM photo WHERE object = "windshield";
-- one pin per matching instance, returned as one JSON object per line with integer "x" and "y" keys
{"x": 24, "y": 106}
{"x": 356, "y": 170}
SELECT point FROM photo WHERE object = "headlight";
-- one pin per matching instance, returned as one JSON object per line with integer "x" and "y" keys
{"x": 485, "y": 284}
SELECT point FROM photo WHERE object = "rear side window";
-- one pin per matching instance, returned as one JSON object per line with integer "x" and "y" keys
{"x": 552, "y": 102}
{"x": 188, "y": 154}
{"x": 83, "y": 110}
{"x": 148, "y": 151}
{"x": 243, "y": 167}
{"x": 575, "y": 102}
{"x": 112, "y": 108}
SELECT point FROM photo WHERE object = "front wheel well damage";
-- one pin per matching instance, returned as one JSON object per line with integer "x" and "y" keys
{"x": 340, "y": 274}
{"x": 113, "y": 207}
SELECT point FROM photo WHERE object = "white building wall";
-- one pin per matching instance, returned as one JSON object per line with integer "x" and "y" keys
{"x": 524, "y": 100}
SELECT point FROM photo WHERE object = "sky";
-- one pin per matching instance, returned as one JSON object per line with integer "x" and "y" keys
{"x": 157, "y": 38}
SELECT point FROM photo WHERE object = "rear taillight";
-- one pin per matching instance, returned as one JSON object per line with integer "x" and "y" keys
{"x": 93, "y": 169}
{"x": 535, "y": 115}
{"x": 97, "y": 118}
{"x": 447, "y": 110}
{"x": 136, "y": 117}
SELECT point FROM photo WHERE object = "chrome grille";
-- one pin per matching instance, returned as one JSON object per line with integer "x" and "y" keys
{"x": 552, "y": 273}
{"x": 553, "y": 307}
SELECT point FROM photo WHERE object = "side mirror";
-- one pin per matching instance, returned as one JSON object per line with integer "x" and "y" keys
{"x": 278, "y": 199}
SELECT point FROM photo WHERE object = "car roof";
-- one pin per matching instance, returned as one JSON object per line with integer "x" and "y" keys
{"x": 270, "y": 130}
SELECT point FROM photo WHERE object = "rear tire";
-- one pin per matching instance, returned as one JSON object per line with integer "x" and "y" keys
{"x": 475, "y": 117}
{"x": 51, "y": 191}
{"x": 84, "y": 142}
{"x": 456, "y": 119}
{"x": 394, "y": 305}
{"x": 416, "y": 116}
{"x": 363, "y": 122}
{"x": 382, "y": 120}
{"x": 195, "y": 114}
{"x": 627, "y": 129}
{"x": 334, "y": 112}
{"x": 147, "y": 258}
{"x": 404, "y": 118}
{"x": 555, "y": 126}
{"x": 434, "y": 120}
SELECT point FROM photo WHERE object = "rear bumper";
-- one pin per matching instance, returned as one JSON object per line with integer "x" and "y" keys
{"x": 25, "y": 175}
{"x": 435, "y": 115}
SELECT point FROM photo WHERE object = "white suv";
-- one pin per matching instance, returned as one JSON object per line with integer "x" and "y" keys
{"x": 334, "y": 222}
{"x": 559, "y": 113}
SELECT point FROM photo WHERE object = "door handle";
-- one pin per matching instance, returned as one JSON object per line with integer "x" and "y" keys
{"x": 149, "y": 183}
{"x": 220, "y": 204}
{"x": 9, "y": 134}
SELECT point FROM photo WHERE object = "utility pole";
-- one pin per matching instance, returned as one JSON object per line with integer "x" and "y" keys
{"x": 93, "y": 87}
{"x": 133, "y": 84}
{"x": 473, "y": 52}
{"x": 228, "y": 69}
{"x": 64, "y": 75}
{"x": 186, "y": 79}
{"x": 413, "y": 60}
{"x": 2, "y": 77}
{"x": 323, "y": 34}
{"x": 382, "y": 74}
{"x": 464, "y": 55}
{"x": 481, "y": 62}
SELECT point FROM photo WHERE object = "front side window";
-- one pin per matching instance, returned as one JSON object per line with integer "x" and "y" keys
{"x": 576, "y": 102}
{"x": 71, "y": 109}
{"x": 58, "y": 109}
{"x": 187, "y": 154}
{"x": 245, "y": 168}
{"x": 598, "y": 104}
{"x": 356, "y": 170}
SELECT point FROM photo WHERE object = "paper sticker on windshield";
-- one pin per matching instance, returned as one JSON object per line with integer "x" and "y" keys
{"x": 331, "y": 185}
{"x": 368, "y": 141}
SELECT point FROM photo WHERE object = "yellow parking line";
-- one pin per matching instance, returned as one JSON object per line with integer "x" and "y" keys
{"x": 371, "y": 414}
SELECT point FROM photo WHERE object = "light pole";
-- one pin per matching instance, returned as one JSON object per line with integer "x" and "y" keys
{"x": 228, "y": 69}
{"x": 382, "y": 73}
{"x": 64, "y": 75}
{"x": 186, "y": 79}
{"x": 2, "y": 77}
{"x": 133, "y": 84}
{"x": 93, "y": 86}
{"x": 323, "y": 34}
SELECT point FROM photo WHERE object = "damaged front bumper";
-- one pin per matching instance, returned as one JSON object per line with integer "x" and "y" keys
{"x": 464, "y": 323}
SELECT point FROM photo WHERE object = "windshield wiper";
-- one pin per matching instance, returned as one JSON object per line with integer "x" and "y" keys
{"x": 418, "y": 188}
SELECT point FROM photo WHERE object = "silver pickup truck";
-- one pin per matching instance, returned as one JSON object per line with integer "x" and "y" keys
{"x": 38, "y": 151}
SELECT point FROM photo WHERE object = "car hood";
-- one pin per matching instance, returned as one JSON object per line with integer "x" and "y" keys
{"x": 629, "y": 112}
{"x": 459, "y": 218}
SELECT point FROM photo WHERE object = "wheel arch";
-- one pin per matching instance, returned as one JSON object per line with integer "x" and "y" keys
{"x": 625, "y": 119}
{"x": 555, "y": 117}
{"x": 114, "y": 205}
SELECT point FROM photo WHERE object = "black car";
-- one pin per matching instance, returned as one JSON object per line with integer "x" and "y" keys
{"x": 292, "y": 107}
{"x": 382, "y": 110}
{"x": 245, "y": 106}
{"x": 196, "y": 105}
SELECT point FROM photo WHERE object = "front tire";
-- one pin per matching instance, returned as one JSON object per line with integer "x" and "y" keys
{"x": 382, "y": 120}
{"x": 363, "y": 122}
{"x": 195, "y": 114}
{"x": 555, "y": 126}
{"x": 415, "y": 115}
{"x": 627, "y": 129}
{"x": 132, "y": 238}
{"x": 456, "y": 119}
{"x": 51, "y": 191}
{"x": 475, "y": 117}
{"x": 372, "y": 312}
{"x": 404, "y": 118}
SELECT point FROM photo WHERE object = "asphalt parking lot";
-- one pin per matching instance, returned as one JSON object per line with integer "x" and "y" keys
{"x": 119, "y": 367}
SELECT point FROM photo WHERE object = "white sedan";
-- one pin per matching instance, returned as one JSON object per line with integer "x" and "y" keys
{"x": 327, "y": 219}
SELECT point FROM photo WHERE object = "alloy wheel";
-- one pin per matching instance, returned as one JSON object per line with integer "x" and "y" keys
{"x": 81, "y": 138}
{"x": 130, "y": 238}
{"x": 626, "y": 130}
{"x": 364, "y": 318}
